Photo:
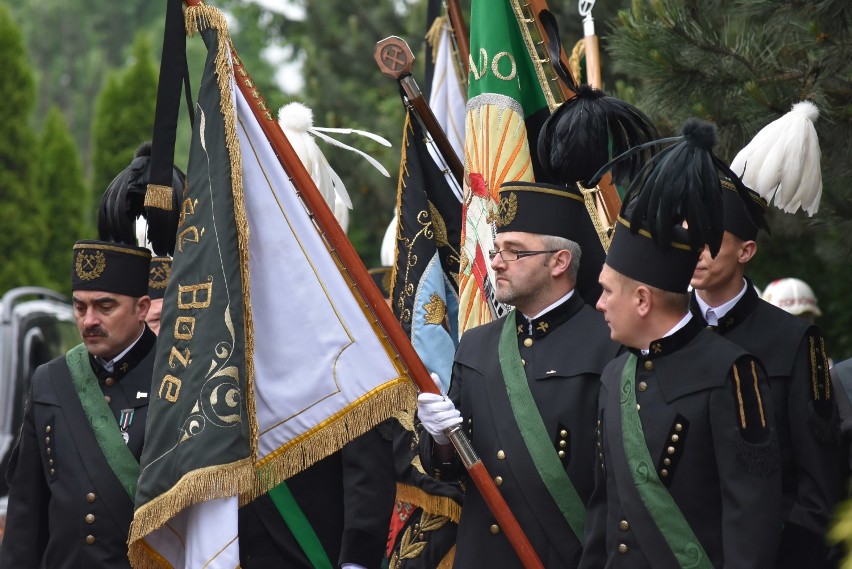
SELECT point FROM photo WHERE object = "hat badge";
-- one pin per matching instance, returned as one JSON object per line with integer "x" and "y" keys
{"x": 90, "y": 266}
{"x": 507, "y": 209}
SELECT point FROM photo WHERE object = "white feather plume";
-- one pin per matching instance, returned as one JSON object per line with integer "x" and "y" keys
{"x": 782, "y": 162}
{"x": 296, "y": 121}
{"x": 388, "y": 252}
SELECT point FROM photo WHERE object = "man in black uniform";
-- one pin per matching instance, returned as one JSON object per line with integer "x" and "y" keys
{"x": 793, "y": 353}
{"x": 75, "y": 466}
{"x": 548, "y": 353}
{"x": 687, "y": 471}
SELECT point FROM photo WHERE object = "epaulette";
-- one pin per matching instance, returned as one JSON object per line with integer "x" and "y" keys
{"x": 757, "y": 446}
{"x": 823, "y": 418}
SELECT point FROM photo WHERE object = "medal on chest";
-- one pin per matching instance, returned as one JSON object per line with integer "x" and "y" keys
{"x": 124, "y": 423}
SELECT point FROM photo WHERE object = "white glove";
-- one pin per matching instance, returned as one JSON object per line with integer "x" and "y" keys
{"x": 437, "y": 413}
{"x": 352, "y": 566}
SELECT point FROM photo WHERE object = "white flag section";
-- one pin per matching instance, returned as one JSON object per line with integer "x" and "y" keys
{"x": 324, "y": 372}
{"x": 316, "y": 355}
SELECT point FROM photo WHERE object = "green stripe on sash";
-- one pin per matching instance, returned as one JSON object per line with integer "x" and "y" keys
{"x": 121, "y": 461}
{"x": 299, "y": 526}
{"x": 656, "y": 498}
{"x": 534, "y": 434}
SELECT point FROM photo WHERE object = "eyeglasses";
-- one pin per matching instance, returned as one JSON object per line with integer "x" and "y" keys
{"x": 508, "y": 255}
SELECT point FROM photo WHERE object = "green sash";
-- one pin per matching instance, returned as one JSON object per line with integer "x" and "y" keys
{"x": 299, "y": 526}
{"x": 533, "y": 432}
{"x": 656, "y": 498}
{"x": 121, "y": 461}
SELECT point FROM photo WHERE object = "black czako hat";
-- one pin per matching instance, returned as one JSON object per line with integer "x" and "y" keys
{"x": 110, "y": 267}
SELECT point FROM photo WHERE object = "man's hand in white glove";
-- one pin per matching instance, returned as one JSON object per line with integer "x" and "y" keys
{"x": 437, "y": 413}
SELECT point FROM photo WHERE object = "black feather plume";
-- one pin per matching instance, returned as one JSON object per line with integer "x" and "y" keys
{"x": 583, "y": 133}
{"x": 123, "y": 202}
{"x": 680, "y": 184}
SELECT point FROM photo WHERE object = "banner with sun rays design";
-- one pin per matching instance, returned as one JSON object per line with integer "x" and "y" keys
{"x": 505, "y": 107}
{"x": 268, "y": 358}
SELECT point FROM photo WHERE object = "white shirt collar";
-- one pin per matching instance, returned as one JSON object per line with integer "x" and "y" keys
{"x": 719, "y": 311}
{"x": 110, "y": 365}
{"x": 683, "y": 322}
{"x": 548, "y": 309}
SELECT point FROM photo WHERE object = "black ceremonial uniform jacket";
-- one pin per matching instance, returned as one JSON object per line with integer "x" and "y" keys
{"x": 347, "y": 498}
{"x": 792, "y": 353}
{"x": 706, "y": 417}
{"x": 65, "y": 504}
{"x": 563, "y": 357}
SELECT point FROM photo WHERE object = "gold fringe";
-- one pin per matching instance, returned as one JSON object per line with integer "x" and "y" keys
{"x": 440, "y": 505}
{"x": 433, "y": 36}
{"x": 211, "y": 483}
{"x": 160, "y": 197}
{"x": 330, "y": 436}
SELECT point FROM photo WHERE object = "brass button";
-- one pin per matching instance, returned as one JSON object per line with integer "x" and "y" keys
{"x": 622, "y": 548}
{"x": 90, "y": 497}
{"x": 501, "y": 455}
{"x": 495, "y": 528}
{"x": 48, "y": 450}
{"x": 675, "y": 438}
{"x": 523, "y": 362}
{"x": 670, "y": 450}
{"x": 678, "y": 427}
{"x": 90, "y": 518}
{"x": 563, "y": 433}
{"x": 643, "y": 386}
{"x": 638, "y": 407}
{"x": 664, "y": 473}
{"x": 53, "y": 472}
{"x": 563, "y": 444}
{"x": 667, "y": 461}
{"x": 498, "y": 480}
{"x": 109, "y": 381}
{"x": 108, "y": 399}
{"x": 623, "y": 525}
{"x": 47, "y": 440}
{"x": 50, "y": 462}
{"x": 528, "y": 342}
{"x": 90, "y": 539}
{"x": 649, "y": 365}
{"x": 47, "y": 429}
{"x": 561, "y": 454}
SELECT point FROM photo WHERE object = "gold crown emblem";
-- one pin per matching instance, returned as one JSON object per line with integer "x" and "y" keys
{"x": 90, "y": 266}
{"x": 507, "y": 209}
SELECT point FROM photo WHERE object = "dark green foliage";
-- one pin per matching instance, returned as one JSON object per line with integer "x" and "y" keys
{"x": 22, "y": 224}
{"x": 124, "y": 117}
{"x": 742, "y": 64}
{"x": 63, "y": 192}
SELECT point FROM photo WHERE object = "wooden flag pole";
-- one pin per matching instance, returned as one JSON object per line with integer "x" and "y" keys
{"x": 340, "y": 246}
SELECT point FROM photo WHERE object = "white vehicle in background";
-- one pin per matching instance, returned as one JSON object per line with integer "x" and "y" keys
{"x": 36, "y": 325}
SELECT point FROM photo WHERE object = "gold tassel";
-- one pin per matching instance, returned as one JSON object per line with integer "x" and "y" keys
{"x": 434, "y": 504}
{"x": 160, "y": 197}
{"x": 433, "y": 36}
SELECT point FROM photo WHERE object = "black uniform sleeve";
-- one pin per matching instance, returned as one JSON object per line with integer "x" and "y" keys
{"x": 747, "y": 457}
{"x": 369, "y": 489}
{"x": 816, "y": 456}
{"x": 27, "y": 529}
{"x": 594, "y": 538}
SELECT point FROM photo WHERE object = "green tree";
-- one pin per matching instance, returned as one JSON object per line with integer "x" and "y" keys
{"x": 124, "y": 117}
{"x": 742, "y": 65}
{"x": 63, "y": 191}
{"x": 23, "y": 235}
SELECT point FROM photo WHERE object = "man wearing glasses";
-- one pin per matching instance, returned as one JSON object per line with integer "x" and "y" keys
{"x": 524, "y": 387}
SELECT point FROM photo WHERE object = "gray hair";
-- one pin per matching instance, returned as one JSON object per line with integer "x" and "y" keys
{"x": 555, "y": 242}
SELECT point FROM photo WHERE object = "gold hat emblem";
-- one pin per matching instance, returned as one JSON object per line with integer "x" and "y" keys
{"x": 159, "y": 276}
{"x": 507, "y": 209}
{"x": 90, "y": 266}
